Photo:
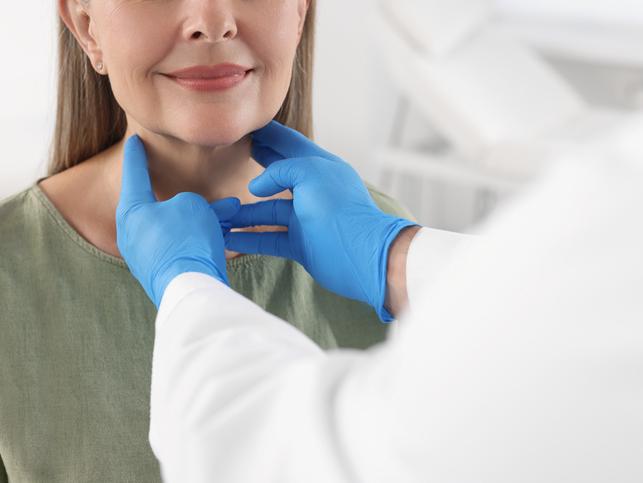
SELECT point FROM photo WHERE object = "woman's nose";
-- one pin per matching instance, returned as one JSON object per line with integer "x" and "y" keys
{"x": 211, "y": 20}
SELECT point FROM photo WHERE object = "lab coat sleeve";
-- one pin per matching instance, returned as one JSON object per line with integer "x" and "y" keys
{"x": 205, "y": 330}
{"x": 239, "y": 395}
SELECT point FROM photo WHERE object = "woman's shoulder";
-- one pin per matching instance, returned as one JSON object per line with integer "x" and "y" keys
{"x": 18, "y": 211}
{"x": 21, "y": 228}
{"x": 388, "y": 204}
{"x": 27, "y": 225}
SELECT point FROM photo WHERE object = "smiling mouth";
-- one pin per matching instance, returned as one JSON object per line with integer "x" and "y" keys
{"x": 209, "y": 82}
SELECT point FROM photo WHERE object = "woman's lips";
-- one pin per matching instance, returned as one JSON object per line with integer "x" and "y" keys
{"x": 213, "y": 84}
{"x": 216, "y": 78}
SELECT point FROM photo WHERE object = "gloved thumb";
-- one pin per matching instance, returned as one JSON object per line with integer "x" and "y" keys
{"x": 279, "y": 176}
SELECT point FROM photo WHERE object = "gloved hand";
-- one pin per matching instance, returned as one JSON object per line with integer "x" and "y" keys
{"x": 335, "y": 230}
{"x": 161, "y": 240}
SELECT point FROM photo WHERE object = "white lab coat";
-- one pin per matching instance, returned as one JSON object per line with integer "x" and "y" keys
{"x": 521, "y": 360}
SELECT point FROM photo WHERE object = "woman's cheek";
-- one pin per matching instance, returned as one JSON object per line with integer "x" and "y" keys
{"x": 132, "y": 65}
{"x": 275, "y": 49}
{"x": 131, "y": 72}
{"x": 138, "y": 32}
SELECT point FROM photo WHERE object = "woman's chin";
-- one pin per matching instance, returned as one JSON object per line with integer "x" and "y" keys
{"x": 212, "y": 135}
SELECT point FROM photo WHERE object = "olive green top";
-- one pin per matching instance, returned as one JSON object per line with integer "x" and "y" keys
{"x": 76, "y": 341}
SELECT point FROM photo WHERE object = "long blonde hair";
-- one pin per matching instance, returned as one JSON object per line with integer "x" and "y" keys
{"x": 89, "y": 120}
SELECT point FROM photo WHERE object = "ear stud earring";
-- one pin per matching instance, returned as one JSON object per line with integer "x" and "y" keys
{"x": 99, "y": 67}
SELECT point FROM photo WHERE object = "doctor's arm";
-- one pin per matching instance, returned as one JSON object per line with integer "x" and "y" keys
{"x": 232, "y": 381}
{"x": 518, "y": 365}
{"x": 229, "y": 379}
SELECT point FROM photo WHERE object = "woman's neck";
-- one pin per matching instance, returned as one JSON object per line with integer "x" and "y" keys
{"x": 88, "y": 194}
{"x": 176, "y": 167}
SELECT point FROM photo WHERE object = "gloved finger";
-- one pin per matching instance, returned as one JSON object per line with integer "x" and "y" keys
{"x": 225, "y": 208}
{"x": 279, "y": 176}
{"x": 264, "y": 155}
{"x": 271, "y": 213}
{"x": 136, "y": 186}
{"x": 273, "y": 244}
{"x": 286, "y": 142}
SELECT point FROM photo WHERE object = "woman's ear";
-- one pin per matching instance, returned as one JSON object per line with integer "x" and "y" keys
{"x": 75, "y": 14}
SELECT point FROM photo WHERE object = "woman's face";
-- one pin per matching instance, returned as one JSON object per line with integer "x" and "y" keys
{"x": 141, "y": 41}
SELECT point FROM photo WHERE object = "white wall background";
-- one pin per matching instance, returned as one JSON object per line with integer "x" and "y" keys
{"x": 27, "y": 49}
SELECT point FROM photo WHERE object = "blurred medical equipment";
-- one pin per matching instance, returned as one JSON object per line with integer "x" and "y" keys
{"x": 502, "y": 109}
{"x": 593, "y": 43}
{"x": 590, "y": 30}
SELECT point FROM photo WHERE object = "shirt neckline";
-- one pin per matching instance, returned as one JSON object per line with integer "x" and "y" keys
{"x": 77, "y": 238}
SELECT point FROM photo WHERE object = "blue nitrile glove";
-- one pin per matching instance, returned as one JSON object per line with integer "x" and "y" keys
{"x": 161, "y": 240}
{"x": 335, "y": 230}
